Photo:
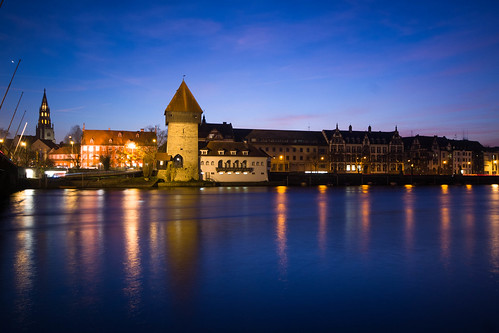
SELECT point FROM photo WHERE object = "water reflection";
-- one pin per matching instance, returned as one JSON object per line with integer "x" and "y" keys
{"x": 409, "y": 217}
{"x": 365, "y": 206}
{"x": 132, "y": 263}
{"x": 322, "y": 209}
{"x": 469, "y": 221}
{"x": 281, "y": 211}
{"x": 445, "y": 240}
{"x": 493, "y": 219}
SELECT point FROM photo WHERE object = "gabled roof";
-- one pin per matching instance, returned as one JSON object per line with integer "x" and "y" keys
{"x": 117, "y": 138}
{"x": 224, "y": 130}
{"x": 357, "y": 137}
{"x": 283, "y": 137}
{"x": 184, "y": 101}
{"x": 214, "y": 146}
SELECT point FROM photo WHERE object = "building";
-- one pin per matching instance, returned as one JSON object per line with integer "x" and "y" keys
{"x": 122, "y": 149}
{"x": 45, "y": 128}
{"x": 225, "y": 161}
{"x": 67, "y": 156}
{"x": 490, "y": 158}
{"x": 365, "y": 151}
{"x": 182, "y": 116}
{"x": 289, "y": 151}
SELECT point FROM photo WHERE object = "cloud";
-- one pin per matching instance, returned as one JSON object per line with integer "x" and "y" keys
{"x": 69, "y": 110}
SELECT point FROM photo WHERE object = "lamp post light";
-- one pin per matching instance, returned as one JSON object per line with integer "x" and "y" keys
{"x": 23, "y": 144}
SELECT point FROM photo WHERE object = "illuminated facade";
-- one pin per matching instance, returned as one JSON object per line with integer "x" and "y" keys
{"x": 365, "y": 151}
{"x": 65, "y": 156}
{"x": 124, "y": 149}
{"x": 45, "y": 128}
{"x": 491, "y": 161}
{"x": 223, "y": 161}
{"x": 289, "y": 151}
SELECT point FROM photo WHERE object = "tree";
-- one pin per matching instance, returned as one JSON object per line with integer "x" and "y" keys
{"x": 74, "y": 135}
{"x": 161, "y": 135}
{"x": 3, "y": 133}
{"x": 106, "y": 161}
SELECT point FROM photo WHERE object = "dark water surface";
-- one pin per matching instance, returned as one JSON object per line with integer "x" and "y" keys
{"x": 399, "y": 259}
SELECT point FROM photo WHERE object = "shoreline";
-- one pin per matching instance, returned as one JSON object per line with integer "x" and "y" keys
{"x": 289, "y": 179}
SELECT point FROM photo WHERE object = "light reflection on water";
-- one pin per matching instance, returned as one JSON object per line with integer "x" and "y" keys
{"x": 281, "y": 211}
{"x": 213, "y": 258}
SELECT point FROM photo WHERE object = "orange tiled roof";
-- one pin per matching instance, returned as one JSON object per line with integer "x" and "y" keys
{"x": 118, "y": 138}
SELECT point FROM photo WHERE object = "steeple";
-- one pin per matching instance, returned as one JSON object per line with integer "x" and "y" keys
{"x": 45, "y": 128}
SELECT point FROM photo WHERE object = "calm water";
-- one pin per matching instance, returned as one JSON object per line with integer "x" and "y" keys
{"x": 251, "y": 259}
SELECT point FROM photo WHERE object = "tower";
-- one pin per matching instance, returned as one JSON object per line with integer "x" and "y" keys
{"x": 183, "y": 116}
{"x": 45, "y": 128}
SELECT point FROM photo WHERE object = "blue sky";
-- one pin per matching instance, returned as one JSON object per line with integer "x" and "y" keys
{"x": 429, "y": 67}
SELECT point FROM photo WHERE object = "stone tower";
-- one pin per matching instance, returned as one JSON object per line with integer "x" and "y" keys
{"x": 45, "y": 128}
{"x": 183, "y": 116}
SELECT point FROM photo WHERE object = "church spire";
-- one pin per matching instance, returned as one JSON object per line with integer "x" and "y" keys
{"x": 45, "y": 128}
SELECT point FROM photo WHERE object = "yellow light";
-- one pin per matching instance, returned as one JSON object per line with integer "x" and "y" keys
{"x": 281, "y": 157}
{"x": 153, "y": 140}
{"x": 23, "y": 144}
{"x": 1, "y": 140}
{"x": 322, "y": 158}
{"x": 71, "y": 142}
{"x": 131, "y": 145}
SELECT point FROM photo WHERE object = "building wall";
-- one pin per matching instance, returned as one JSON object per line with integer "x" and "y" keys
{"x": 295, "y": 158}
{"x": 183, "y": 141}
{"x": 254, "y": 170}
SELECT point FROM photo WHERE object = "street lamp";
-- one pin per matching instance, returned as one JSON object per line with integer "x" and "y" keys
{"x": 23, "y": 144}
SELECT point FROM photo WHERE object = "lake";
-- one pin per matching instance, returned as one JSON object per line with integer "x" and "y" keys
{"x": 247, "y": 259}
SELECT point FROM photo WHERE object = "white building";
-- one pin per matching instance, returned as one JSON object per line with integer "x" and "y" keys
{"x": 223, "y": 161}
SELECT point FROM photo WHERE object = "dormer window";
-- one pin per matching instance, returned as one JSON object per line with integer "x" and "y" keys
{"x": 92, "y": 141}
{"x": 137, "y": 135}
{"x": 120, "y": 135}
{"x": 110, "y": 140}
{"x": 221, "y": 152}
{"x": 204, "y": 152}
{"x": 233, "y": 152}
{"x": 245, "y": 152}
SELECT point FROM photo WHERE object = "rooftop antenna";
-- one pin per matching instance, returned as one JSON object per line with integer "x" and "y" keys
{"x": 183, "y": 77}
{"x": 8, "y": 87}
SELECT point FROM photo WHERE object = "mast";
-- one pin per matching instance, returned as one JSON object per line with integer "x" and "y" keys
{"x": 8, "y": 87}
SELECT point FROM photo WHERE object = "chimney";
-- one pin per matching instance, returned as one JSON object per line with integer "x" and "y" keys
{"x": 142, "y": 130}
{"x": 369, "y": 129}
{"x": 350, "y": 128}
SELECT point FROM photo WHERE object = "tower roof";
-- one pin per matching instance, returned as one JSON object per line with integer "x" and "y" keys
{"x": 183, "y": 100}
{"x": 45, "y": 104}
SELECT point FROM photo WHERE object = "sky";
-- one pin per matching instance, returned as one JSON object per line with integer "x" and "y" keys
{"x": 427, "y": 67}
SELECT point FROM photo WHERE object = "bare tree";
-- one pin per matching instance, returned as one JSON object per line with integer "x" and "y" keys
{"x": 74, "y": 135}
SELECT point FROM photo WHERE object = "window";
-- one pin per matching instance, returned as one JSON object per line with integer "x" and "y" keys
{"x": 220, "y": 152}
{"x": 97, "y": 148}
{"x": 91, "y": 148}
{"x": 201, "y": 163}
{"x": 308, "y": 150}
{"x": 301, "y": 150}
{"x": 245, "y": 152}
{"x": 233, "y": 152}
